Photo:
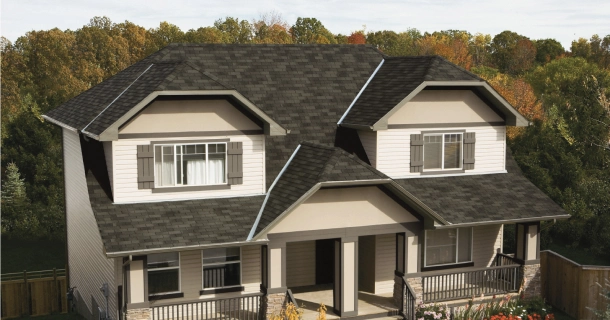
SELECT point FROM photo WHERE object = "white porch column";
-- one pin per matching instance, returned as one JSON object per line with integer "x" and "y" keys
{"x": 277, "y": 267}
{"x": 136, "y": 282}
{"x": 528, "y": 241}
{"x": 349, "y": 276}
{"x": 411, "y": 254}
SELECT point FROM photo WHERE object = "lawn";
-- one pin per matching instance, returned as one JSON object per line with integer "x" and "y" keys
{"x": 32, "y": 255}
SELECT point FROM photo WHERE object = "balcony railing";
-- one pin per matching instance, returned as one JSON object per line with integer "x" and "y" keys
{"x": 407, "y": 306}
{"x": 246, "y": 307}
{"x": 473, "y": 282}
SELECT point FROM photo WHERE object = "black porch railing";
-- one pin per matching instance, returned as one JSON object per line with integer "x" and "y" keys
{"x": 407, "y": 306}
{"x": 246, "y": 307}
{"x": 505, "y": 260}
{"x": 465, "y": 284}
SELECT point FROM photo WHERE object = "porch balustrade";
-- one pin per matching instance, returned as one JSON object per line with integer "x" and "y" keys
{"x": 246, "y": 307}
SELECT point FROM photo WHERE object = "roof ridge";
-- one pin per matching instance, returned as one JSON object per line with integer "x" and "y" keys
{"x": 455, "y": 66}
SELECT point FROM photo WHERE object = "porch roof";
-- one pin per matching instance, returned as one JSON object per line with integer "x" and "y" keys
{"x": 488, "y": 198}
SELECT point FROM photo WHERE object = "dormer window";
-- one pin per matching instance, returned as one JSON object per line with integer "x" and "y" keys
{"x": 190, "y": 164}
{"x": 442, "y": 151}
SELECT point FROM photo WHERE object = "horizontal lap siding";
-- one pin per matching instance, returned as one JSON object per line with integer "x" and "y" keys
{"x": 300, "y": 264}
{"x": 393, "y": 149}
{"x": 126, "y": 173}
{"x": 89, "y": 267}
{"x": 486, "y": 241}
{"x": 369, "y": 142}
{"x": 251, "y": 268}
{"x": 385, "y": 262}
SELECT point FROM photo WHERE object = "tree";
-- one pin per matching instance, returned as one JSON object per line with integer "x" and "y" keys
{"x": 479, "y": 49}
{"x": 310, "y": 30}
{"x": 357, "y": 37}
{"x": 512, "y": 53}
{"x": 165, "y": 34}
{"x": 451, "y": 44}
{"x": 271, "y": 28}
{"x": 234, "y": 30}
{"x": 547, "y": 50}
{"x": 205, "y": 35}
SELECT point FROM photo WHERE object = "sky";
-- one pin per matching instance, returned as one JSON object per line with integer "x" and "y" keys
{"x": 562, "y": 20}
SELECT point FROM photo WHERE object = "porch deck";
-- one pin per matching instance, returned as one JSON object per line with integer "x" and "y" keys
{"x": 310, "y": 297}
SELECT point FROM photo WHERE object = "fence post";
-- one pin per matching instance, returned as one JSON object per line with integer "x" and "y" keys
{"x": 26, "y": 308}
{"x": 55, "y": 293}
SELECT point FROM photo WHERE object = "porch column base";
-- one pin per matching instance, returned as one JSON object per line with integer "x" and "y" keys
{"x": 397, "y": 295}
{"x": 416, "y": 285}
{"x": 531, "y": 281}
{"x": 274, "y": 302}
{"x": 138, "y": 314}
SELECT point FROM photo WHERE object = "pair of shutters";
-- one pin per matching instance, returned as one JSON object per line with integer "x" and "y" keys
{"x": 417, "y": 152}
{"x": 146, "y": 166}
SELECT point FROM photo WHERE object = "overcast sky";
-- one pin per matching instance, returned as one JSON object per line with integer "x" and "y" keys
{"x": 537, "y": 19}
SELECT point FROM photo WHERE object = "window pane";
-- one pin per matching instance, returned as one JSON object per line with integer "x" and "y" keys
{"x": 453, "y": 151}
{"x": 464, "y": 245}
{"x": 217, "y": 255}
{"x": 432, "y": 151}
{"x": 200, "y": 148}
{"x": 160, "y": 281}
{"x": 163, "y": 260}
{"x": 220, "y": 148}
{"x": 221, "y": 275}
{"x": 190, "y": 149}
{"x": 194, "y": 169}
{"x": 440, "y": 246}
{"x": 164, "y": 165}
{"x": 216, "y": 168}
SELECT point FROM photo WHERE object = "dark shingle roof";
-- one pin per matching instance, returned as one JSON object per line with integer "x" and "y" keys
{"x": 397, "y": 77}
{"x": 483, "y": 198}
{"x": 155, "y": 225}
{"x": 313, "y": 163}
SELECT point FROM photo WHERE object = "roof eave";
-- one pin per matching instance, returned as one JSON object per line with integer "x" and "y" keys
{"x": 117, "y": 254}
{"x": 59, "y": 123}
{"x": 507, "y": 221}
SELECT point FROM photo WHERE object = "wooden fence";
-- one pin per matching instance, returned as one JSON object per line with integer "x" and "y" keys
{"x": 34, "y": 293}
{"x": 572, "y": 287}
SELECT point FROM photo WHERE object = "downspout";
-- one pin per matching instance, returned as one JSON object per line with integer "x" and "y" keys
{"x": 260, "y": 213}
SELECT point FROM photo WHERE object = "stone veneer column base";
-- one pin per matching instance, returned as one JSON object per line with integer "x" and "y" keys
{"x": 531, "y": 281}
{"x": 416, "y": 285}
{"x": 274, "y": 303}
{"x": 138, "y": 314}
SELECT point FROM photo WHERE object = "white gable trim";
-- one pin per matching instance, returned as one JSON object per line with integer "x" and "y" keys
{"x": 361, "y": 90}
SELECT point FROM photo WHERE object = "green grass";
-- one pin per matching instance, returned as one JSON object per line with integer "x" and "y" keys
{"x": 579, "y": 255}
{"x": 32, "y": 255}
{"x": 63, "y": 316}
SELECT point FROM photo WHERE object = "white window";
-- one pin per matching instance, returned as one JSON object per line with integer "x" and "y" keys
{"x": 448, "y": 246}
{"x": 163, "y": 273}
{"x": 190, "y": 164}
{"x": 221, "y": 267}
{"x": 443, "y": 151}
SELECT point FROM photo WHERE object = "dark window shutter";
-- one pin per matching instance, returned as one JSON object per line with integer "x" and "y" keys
{"x": 469, "y": 141}
{"x": 417, "y": 152}
{"x": 235, "y": 163}
{"x": 146, "y": 167}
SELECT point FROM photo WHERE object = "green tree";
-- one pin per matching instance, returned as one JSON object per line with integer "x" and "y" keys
{"x": 547, "y": 50}
{"x": 512, "y": 53}
{"x": 165, "y": 34}
{"x": 310, "y": 30}
{"x": 234, "y": 30}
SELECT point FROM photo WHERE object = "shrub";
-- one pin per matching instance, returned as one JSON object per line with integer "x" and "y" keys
{"x": 431, "y": 311}
{"x": 504, "y": 309}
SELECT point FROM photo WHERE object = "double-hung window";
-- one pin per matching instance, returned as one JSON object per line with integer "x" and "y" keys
{"x": 163, "y": 273}
{"x": 442, "y": 151}
{"x": 448, "y": 246}
{"x": 221, "y": 268}
{"x": 190, "y": 164}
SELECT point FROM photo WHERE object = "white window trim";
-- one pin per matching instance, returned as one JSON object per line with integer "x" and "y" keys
{"x": 442, "y": 168}
{"x": 167, "y": 268}
{"x": 223, "y": 263}
{"x": 456, "y": 249}
{"x": 176, "y": 185}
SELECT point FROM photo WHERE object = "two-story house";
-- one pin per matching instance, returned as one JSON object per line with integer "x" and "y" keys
{"x": 214, "y": 180}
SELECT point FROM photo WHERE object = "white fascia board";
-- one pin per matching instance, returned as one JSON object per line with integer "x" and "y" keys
{"x": 507, "y": 221}
{"x": 112, "y": 132}
{"x": 117, "y": 254}
{"x": 359, "y": 93}
{"x": 61, "y": 124}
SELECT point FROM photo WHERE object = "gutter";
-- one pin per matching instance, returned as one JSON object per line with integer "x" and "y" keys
{"x": 55, "y": 122}
{"x": 474, "y": 224}
{"x": 260, "y": 213}
{"x": 180, "y": 248}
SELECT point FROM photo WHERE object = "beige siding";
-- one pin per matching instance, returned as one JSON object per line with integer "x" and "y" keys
{"x": 189, "y": 116}
{"x": 251, "y": 268}
{"x": 89, "y": 267}
{"x": 350, "y": 207}
{"x": 109, "y": 162}
{"x": 300, "y": 263}
{"x": 125, "y": 164}
{"x": 369, "y": 142}
{"x": 190, "y": 273}
{"x": 486, "y": 241}
{"x": 444, "y": 106}
{"x": 385, "y": 263}
{"x": 394, "y": 153}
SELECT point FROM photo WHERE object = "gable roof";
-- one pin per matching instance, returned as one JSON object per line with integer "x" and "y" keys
{"x": 311, "y": 165}
{"x": 473, "y": 199}
{"x": 398, "y": 79}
